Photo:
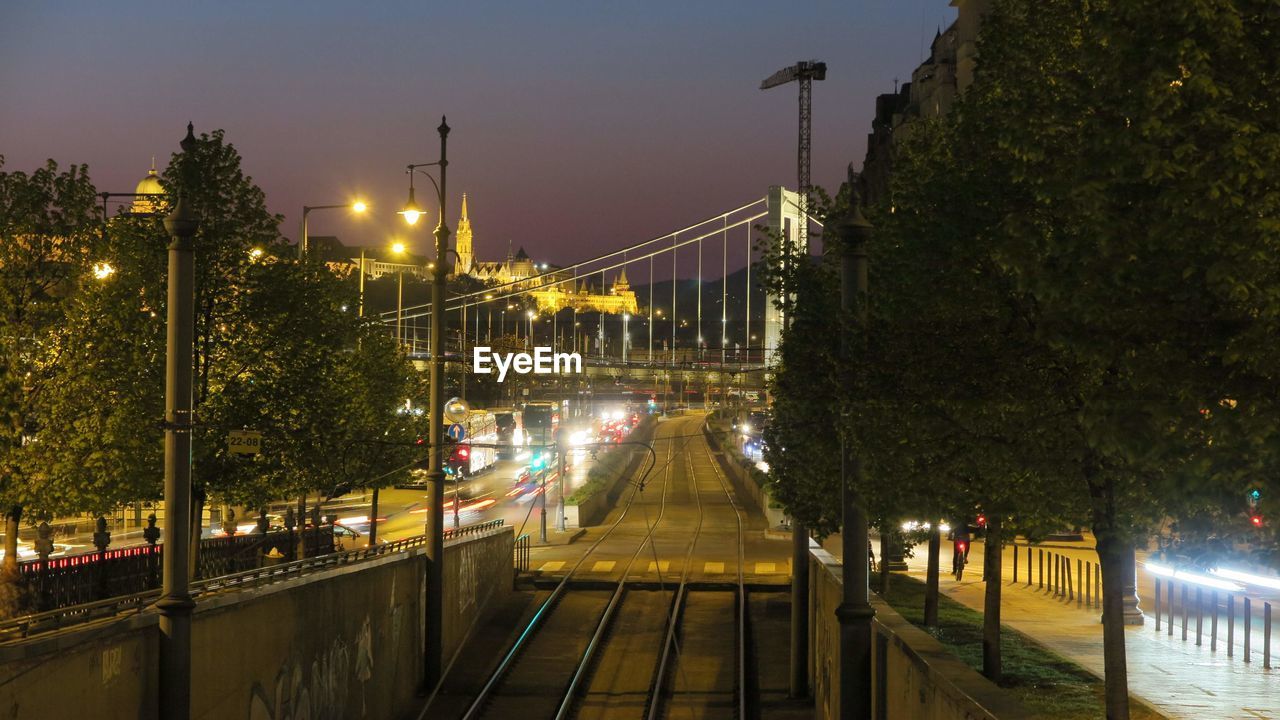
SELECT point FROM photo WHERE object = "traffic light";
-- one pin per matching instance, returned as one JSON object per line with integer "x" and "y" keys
{"x": 1255, "y": 520}
{"x": 1254, "y": 496}
{"x": 982, "y": 520}
{"x": 537, "y": 461}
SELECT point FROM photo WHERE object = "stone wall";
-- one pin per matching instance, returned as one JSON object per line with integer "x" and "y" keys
{"x": 345, "y": 642}
{"x": 913, "y": 676}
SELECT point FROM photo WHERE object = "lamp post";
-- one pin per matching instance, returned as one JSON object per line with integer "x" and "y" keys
{"x": 855, "y": 611}
{"x": 399, "y": 249}
{"x": 434, "y": 611}
{"x": 357, "y": 206}
{"x": 528, "y": 340}
{"x": 175, "y": 602}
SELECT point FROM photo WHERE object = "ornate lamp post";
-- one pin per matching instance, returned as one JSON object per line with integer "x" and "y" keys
{"x": 434, "y": 620}
{"x": 175, "y": 602}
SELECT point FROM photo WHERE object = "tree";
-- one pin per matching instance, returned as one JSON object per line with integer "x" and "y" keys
{"x": 48, "y": 232}
{"x": 1143, "y": 139}
{"x": 279, "y": 349}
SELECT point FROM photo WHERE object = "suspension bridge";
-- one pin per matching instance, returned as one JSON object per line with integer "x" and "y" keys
{"x": 689, "y": 314}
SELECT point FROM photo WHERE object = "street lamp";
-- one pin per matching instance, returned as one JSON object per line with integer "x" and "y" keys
{"x": 103, "y": 270}
{"x": 528, "y": 340}
{"x": 434, "y": 620}
{"x": 397, "y": 248}
{"x": 357, "y": 206}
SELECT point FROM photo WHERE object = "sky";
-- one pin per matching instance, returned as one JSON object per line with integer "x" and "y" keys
{"x": 578, "y": 127}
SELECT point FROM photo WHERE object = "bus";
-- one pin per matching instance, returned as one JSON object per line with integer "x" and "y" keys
{"x": 477, "y": 452}
{"x": 511, "y": 435}
{"x": 541, "y": 420}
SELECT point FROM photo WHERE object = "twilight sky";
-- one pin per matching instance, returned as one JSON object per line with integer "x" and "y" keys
{"x": 577, "y": 126}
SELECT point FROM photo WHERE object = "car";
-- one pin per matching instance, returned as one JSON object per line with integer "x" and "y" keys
{"x": 523, "y": 476}
{"x": 347, "y": 538}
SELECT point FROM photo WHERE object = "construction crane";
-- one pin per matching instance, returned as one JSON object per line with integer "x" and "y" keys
{"x": 804, "y": 72}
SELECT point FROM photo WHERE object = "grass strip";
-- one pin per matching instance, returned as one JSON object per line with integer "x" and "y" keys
{"x": 1047, "y": 684}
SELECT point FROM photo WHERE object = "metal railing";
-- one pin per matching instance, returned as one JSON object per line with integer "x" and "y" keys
{"x": 31, "y": 624}
{"x": 476, "y": 529}
{"x": 522, "y": 553}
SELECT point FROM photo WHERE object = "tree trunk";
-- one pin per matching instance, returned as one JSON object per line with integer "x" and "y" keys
{"x": 302, "y": 526}
{"x": 884, "y": 561}
{"x": 992, "y": 569}
{"x": 1112, "y": 550}
{"x": 197, "y": 526}
{"x": 931, "y": 578}
{"x": 1111, "y": 555}
{"x": 12, "y": 521}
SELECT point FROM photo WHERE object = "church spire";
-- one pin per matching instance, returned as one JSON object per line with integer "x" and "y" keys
{"x": 466, "y": 254}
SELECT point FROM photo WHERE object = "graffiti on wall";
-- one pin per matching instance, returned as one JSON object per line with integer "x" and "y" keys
{"x": 318, "y": 690}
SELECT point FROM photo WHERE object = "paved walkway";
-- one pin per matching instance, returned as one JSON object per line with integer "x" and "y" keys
{"x": 1174, "y": 676}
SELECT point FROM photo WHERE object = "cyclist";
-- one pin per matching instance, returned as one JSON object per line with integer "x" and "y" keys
{"x": 959, "y": 549}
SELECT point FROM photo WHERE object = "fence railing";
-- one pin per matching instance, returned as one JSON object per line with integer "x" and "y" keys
{"x": 522, "y": 553}
{"x": 60, "y": 617}
{"x": 1176, "y": 604}
{"x": 476, "y": 529}
{"x": 78, "y": 579}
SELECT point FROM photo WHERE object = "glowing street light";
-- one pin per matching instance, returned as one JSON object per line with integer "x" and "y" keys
{"x": 357, "y": 206}
{"x": 103, "y": 270}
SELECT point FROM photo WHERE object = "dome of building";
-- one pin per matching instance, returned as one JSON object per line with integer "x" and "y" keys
{"x": 149, "y": 185}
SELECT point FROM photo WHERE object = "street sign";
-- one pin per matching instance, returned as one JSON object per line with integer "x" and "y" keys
{"x": 456, "y": 432}
{"x": 244, "y": 442}
{"x": 456, "y": 410}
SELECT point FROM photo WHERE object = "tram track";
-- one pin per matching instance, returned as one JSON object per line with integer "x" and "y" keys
{"x": 628, "y": 647}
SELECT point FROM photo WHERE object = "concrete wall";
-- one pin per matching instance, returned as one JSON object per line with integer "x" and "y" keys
{"x": 339, "y": 643}
{"x": 109, "y": 674}
{"x": 913, "y": 676}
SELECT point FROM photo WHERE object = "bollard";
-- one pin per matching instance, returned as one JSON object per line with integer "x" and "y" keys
{"x": 1157, "y": 604}
{"x": 1079, "y": 582}
{"x": 1199, "y": 615}
{"x": 1231, "y": 624}
{"x": 1015, "y": 564}
{"x": 1170, "y": 604}
{"x": 1266, "y": 636}
{"x": 1213, "y": 621}
{"x": 1028, "y": 566}
{"x": 1041, "y": 554}
{"x": 1248, "y": 627}
{"x": 1184, "y": 612}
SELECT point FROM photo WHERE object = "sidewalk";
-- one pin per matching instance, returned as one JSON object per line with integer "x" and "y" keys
{"x": 1176, "y": 678}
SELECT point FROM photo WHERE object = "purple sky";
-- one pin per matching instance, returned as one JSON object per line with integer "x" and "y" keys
{"x": 577, "y": 127}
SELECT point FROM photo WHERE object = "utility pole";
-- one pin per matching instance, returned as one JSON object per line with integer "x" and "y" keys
{"x": 804, "y": 72}
{"x": 855, "y": 611}
{"x": 175, "y": 603}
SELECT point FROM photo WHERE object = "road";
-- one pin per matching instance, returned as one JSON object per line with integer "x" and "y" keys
{"x": 491, "y": 495}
